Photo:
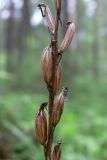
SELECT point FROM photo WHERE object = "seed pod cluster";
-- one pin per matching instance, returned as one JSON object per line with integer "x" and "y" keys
{"x": 57, "y": 80}
{"x": 51, "y": 68}
{"x": 68, "y": 37}
{"x": 58, "y": 107}
{"x": 46, "y": 62}
{"x": 56, "y": 155}
{"x": 41, "y": 125}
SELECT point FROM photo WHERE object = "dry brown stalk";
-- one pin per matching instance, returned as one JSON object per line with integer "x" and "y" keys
{"x": 51, "y": 68}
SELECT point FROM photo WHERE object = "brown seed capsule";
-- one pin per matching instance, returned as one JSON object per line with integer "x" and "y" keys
{"x": 46, "y": 62}
{"x": 58, "y": 107}
{"x": 56, "y": 155}
{"x": 57, "y": 81}
{"x": 68, "y": 37}
{"x": 47, "y": 13}
{"x": 58, "y": 5}
{"x": 41, "y": 125}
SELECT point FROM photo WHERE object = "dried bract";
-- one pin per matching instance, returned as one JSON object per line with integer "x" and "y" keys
{"x": 68, "y": 37}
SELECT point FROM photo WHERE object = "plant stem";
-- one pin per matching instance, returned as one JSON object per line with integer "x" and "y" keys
{"x": 51, "y": 89}
{"x": 45, "y": 152}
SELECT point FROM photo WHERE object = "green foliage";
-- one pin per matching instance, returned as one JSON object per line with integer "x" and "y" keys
{"x": 82, "y": 127}
{"x": 17, "y": 118}
{"x": 5, "y": 78}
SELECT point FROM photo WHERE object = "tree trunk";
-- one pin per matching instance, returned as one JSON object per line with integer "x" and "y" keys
{"x": 10, "y": 38}
{"x": 96, "y": 43}
{"x": 24, "y": 29}
{"x": 64, "y": 17}
{"x": 69, "y": 60}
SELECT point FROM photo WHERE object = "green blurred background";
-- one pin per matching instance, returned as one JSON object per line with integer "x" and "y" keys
{"x": 23, "y": 36}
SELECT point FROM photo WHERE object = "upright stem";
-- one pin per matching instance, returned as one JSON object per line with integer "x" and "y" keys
{"x": 51, "y": 88}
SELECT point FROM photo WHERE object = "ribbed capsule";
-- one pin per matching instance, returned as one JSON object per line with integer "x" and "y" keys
{"x": 57, "y": 81}
{"x": 68, "y": 37}
{"x": 56, "y": 155}
{"x": 49, "y": 18}
{"x": 58, "y": 107}
{"x": 46, "y": 63}
{"x": 41, "y": 125}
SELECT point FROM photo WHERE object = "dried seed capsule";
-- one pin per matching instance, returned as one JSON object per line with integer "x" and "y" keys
{"x": 41, "y": 125}
{"x": 47, "y": 13}
{"x": 68, "y": 37}
{"x": 56, "y": 155}
{"x": 49, "y": 19}
{"x": 57, "y": 79}
{"x": 58, "y": 106}
{"x": 46, "y": 62}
